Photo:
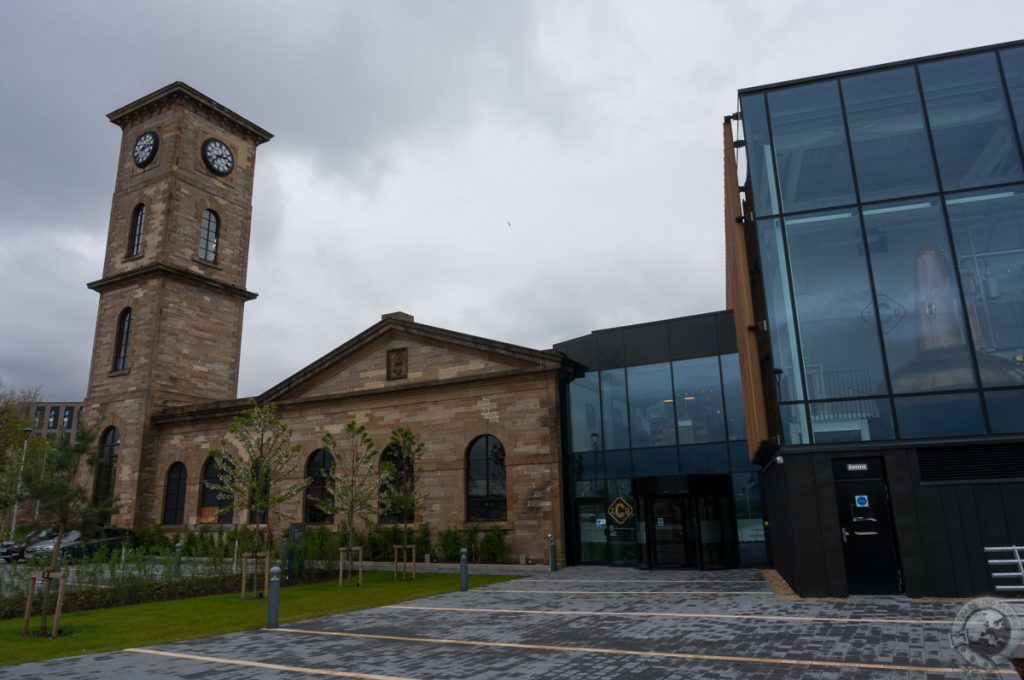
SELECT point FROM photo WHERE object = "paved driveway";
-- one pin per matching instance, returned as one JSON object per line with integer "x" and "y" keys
{"x": 582, "y": 622}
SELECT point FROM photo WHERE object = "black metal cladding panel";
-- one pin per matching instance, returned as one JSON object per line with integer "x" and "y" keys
{"x": 965, "y": 463}
{"x": 581, "y": 350}
{"x": 693, "y": 337}
{"x": 611, "y": 352}
{"x": 726, "y": 333}
{"x": 647, "y": 344}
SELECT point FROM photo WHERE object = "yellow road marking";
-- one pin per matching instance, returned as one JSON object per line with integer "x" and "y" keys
{"x": 540, "y": 591}
{"x": 632, "y": 652}
{"x": 679, "y": 615}
{"x": 271, "y": 666}
{"x": 633, "y": 580}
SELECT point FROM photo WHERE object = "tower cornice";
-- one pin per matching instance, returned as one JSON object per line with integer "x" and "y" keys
{"x": 173, "y": 272}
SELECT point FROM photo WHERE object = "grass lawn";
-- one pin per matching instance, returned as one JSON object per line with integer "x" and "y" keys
{"x": 141, "y": 625}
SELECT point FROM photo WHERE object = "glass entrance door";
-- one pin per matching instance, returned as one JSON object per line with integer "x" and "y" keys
{"x": 592, "y": 524}
{"x": 669, "y": 540}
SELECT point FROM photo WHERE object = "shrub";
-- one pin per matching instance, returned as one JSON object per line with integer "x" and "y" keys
{"x": 470, "y": 541}
{"x": 449, "y": 541}
{"x": 423, "y": 542}
{"x": 492, "y": 546}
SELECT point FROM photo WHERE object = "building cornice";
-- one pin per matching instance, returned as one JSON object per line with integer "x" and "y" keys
{"x": 178, "y": 273}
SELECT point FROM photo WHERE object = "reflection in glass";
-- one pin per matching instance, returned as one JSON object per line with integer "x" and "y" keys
{"x": 584, "y": 410}
{"x": 739, "y": 457}
{"x": 775, "y": 273}
{"x": 704, "y": 458}
{"x": 617, "y": 464}
{"x": 759, "y": 155}
{"x": 1005, "y": 411}
{"x": 655, "y": 462}
{"x": 1013, "y": 70}
{"x": 837, "y": 320}
{"x": 810, "y": 147}
{"x": 733, "y": 390}
{"x": 974, "y": 139}
{"x": 923, "y": 331}
{"x": 988, "y": 232}
{"x": 852, "y": 421}
{"x": 941, "y": 415}
{"x": 698, "y": 399}
{"x": 613, "y": 408}
{"x": 651, "y": 419}
{"x": 746, "y": 490}
{"x": 794, "y": 424}
{"x": 887, "y": 133}
{"x": 590, "y": 488}
{"x": 588, "y": 465}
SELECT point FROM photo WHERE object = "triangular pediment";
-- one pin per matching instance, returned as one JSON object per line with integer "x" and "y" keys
{"x": 398, "y": 353}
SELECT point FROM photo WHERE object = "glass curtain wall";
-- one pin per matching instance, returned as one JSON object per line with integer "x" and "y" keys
{"x": 890, "y": 224}
{"x": 656, "y": 420}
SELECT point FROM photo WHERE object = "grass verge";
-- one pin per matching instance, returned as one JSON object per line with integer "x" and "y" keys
{"x": 155, "y": 623}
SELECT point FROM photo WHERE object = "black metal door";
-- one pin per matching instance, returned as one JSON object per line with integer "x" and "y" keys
{"x": 868, "y": 547}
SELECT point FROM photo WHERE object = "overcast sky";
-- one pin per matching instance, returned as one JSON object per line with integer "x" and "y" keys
{"x": 523, "y": 171}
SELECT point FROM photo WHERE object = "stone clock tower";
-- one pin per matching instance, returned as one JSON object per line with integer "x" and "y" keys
{"x": 169, "y": 325}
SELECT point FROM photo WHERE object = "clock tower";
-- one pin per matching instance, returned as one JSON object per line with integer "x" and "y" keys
{"x": 169, "y": 325}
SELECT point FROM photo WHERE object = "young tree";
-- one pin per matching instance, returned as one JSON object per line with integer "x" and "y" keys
{"x": 353, "y": 483}
{"x": 256, "y": 462}
{"x": 401, "y": 471}
{"x": 62, "y": 502}
{"x": 18, "y": 450}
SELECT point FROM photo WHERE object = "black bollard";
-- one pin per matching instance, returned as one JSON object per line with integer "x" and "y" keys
{"x": 463, "y": 570}
{"x": 552, "y": 554}
{"x": 176, "y": 569}
{"x": 274, "y": 597}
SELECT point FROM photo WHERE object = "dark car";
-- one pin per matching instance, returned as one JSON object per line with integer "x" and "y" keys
{"x": 12, "y": 551}
{"x": 110, "y": 539}
{"x": 43, "y": 549}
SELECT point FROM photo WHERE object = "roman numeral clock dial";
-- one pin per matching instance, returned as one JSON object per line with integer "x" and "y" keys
{"x": 218, "y": 157}
{"x": 145, "y": 149}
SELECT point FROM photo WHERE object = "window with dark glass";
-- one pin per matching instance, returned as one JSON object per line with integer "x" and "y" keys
{"x": 209, "y": 233}
{"x": 396, "y": 487}
{"x": 1013, "y": 70}
{"x": 778, "y": 300}
{"x": 485, "y": 480}
{"x": 940, "y": 415}
{"x": 988, "y": 234}
{"x": 700, "y": 415}
{"x": 174, "y": 494}
{"x": 51, "y": 420}
{"x": 123, "y": 340}
{"x": 258, "y": 509}
{"x": 135, "y": 235}
{"x": 888, "y": 135}
{"x": 318, "y": 464}
{"x": 614, "y": 409}
{"x": 837, "y": 322}
{"x": 760, "y": 160}
{"x": 106, "y": 466}
{"x": 924, "y": 333}
{"x": 975, "y": 143}
{"x": 69, "y": 417}
{"x": 810, "y": 147}
{"x": 651, "y": 421}
{"x": 1005, "y": 411}
{"x": 732, "y": 391}
{"x": 585, "y": 413}
{"x": 213, "y": 508}
{"x": 858, "y": 420}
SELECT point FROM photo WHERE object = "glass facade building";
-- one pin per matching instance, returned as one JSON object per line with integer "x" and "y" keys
{"x": 889, "y": 209}
{"x": 655, "y": 423}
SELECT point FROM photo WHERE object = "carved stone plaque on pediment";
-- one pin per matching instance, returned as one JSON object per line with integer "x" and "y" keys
{"x": 398, "y": 363}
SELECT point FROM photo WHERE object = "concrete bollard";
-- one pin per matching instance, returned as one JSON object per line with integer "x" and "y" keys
{"x": 274, "y": 597}
{"x": 552, "y": 554}
{"x": 463, "y": 570}
{"x": 176, "y": 571}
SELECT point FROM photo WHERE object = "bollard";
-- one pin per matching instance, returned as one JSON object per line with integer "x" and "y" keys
{"x": 274, "y": 596}
{"x": 463, "y": 570}
{"x": 552, "y": 555}
{"x": 177, "y": 561}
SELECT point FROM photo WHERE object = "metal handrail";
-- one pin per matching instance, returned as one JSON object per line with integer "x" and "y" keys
{"x": 1016, "y": 559}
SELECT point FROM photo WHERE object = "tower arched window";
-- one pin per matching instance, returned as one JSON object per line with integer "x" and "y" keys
{"x": 396, "y": 486}
{"x": 485, "y": 480}
{"x": 174, "y": 494}
{"x": 123, "y": 340}
{"x": 213, "y": 509}
{"x": 209, "y": 234}
{"x": 317, "y": 466}
{"x": 137, "y": 228}
{"x": 106, "y": 467}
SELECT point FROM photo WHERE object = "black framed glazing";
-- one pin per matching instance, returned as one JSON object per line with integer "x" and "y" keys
{"x": 318, "y": 464}
{"x": 209, "y": 234}
{"x": 485, "y": 480}
{"x": 137, "y": 229}
{"x": 123, "y": 340}
{"x": 174, "y": 494}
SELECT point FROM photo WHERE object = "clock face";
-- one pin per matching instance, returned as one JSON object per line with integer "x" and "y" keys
{"x": 145, "y": 148}
{"x": 217, "y": 157}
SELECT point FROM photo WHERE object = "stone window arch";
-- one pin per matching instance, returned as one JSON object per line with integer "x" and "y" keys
{"x": 106, "y": 467}
{"x": 401, "y": 481}
{"x": 137, "y": 229}
{"x": 485, "y": 480}
{"x": 122, "y": 340}
{"x": 209, "y": 235}
{"x": 174, "y": 494}
{"x": 317, "y": 465}
{"x": 211, "y": 508}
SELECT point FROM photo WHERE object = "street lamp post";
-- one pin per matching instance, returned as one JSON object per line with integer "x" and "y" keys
{"x": 21, "y": 470}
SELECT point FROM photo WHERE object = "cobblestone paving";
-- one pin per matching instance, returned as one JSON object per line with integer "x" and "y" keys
{"x": 630, "y": 624}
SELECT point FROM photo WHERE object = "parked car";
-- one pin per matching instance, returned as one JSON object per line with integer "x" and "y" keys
{"x": 43, "y": 549}
{"x": 74, "y": 545}
{"x": 12, "y": 551}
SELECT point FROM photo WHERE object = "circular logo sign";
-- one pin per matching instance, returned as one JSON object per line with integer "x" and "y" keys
{"x": 987, "y": 633}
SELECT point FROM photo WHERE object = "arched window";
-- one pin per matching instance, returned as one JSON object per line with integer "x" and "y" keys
{"x": 135, "y": 235}
{"x": 485, "y": 480}
{"x": 211, "y": 508}
{"x": 106, "y": 467}
{"x": 395, "y": 486}
{"x": 123, "y": 340}
{"x": 174, "y": 494}
{"x": 209, "y": 232}
{"x": 259, "y": 516}
{"x": 319, "y": 463}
